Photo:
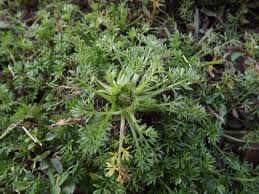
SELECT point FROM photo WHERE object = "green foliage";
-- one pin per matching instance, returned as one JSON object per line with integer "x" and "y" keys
{"x": 128, "y": 97}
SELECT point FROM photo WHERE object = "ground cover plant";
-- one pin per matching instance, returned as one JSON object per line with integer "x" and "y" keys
{"x": 129, "y": 96}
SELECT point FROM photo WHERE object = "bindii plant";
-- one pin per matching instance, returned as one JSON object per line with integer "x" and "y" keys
{"x": 139, "y": 87}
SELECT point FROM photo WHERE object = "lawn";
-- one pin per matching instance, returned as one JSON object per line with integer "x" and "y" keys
{"x": 129, "y": 96}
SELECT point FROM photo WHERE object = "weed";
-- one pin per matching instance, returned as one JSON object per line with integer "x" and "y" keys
{"x": 128, "y": 97}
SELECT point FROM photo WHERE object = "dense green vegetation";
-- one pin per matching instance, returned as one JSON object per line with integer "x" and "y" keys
{"x": 133, "y": 96}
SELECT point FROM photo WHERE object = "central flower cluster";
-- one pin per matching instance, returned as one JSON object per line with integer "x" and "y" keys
{"x": 125, "y": 96}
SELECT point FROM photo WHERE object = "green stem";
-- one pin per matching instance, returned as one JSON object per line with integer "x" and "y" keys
{"x": 236, "y": 132}
{"x": 135, "y": 127}
{"x": 132, "y": 129}
{"x": 234, "y": 139}
{"x": 244, "y": 179}
{"x": 104, "y": 86}
{"x": 165, "y": 185}
{"x": 100, "y": 93}
{"x": 135, "y": 124}
{"x": 146, "y": 78}
{"x": 162, "y": 90}
{"x": 153, "y": 87}
{"x": 205, "y": 63}
{"x": 122, "y": 127}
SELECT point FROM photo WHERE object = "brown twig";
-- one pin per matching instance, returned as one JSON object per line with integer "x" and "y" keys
{"x": 70, "y": 121}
